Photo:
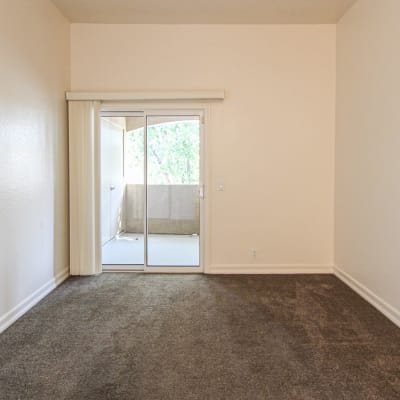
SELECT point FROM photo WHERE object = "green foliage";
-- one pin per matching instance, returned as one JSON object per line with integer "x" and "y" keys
{"x": 173, "y": 153}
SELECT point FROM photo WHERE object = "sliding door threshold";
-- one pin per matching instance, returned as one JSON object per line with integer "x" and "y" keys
{"x": 122, "y": 268}
{"x": 153, "y": 270}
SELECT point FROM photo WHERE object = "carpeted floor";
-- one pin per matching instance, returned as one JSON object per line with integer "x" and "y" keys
{"x": 137, "y": 336}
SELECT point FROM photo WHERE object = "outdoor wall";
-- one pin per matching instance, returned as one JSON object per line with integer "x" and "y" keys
{"x": 34, "y": 73}
{"x": 367, "y": 152}
{"x": 270, "y": 143}
{"x": 112, "y": 185}
{"x": 172, "y": 209}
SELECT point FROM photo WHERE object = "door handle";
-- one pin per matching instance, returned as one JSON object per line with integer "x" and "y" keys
{"x": 201, "y": 191}
{"x": 112, "y": 187}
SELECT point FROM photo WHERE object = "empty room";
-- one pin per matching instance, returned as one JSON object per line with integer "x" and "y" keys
{"x": 199, "y": 199}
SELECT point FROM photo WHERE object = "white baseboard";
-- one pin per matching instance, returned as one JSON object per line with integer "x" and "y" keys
{"x": 11, "y": 316}
{"x": 269, "y": 269}
{"x": 386, "y": 309}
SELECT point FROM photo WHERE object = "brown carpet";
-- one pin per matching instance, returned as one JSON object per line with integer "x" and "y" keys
{"x": 136, "y": 336}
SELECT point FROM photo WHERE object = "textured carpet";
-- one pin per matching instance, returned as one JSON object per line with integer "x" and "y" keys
{"x": 137, "y": 336}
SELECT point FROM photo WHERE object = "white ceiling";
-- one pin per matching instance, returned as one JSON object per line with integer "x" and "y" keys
{"x": 204, "y": 11}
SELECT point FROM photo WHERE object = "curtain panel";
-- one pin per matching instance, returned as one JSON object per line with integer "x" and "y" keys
{"x": 84, "y": 176}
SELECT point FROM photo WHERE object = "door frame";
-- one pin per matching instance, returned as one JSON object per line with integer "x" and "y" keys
{"x": 168, "y": 109}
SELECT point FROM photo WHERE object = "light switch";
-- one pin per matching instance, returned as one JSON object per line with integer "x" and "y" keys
{"x": 220, "y": 187}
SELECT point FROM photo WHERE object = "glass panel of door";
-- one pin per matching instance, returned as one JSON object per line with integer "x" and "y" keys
{"x": 150, "y": 191}
{"x": 122, "y": 191}
{"x": 173, "y": 184}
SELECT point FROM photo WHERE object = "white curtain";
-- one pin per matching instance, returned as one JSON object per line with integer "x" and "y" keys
{"x": 84, "y": 171}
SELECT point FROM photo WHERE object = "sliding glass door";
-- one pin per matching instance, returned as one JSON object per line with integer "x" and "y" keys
{"x": 173, "y": 191}
{"x": 122, "y": 191}
{"x": 151, "y": 190}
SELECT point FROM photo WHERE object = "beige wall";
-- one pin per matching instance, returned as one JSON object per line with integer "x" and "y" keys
{"x": 271, "y": 142}
{"x": 368, "y": 147}
{"x": 34, "y": 72}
